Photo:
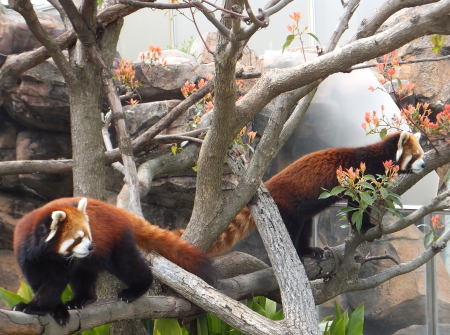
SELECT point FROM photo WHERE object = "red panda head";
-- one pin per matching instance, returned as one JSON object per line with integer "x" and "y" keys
{"x": 70, "y": 227}
{"x": 410, "y": 153}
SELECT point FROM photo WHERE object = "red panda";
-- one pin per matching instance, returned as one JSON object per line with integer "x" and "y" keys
{"x": 69, "y": 240}
{"x": 296, "y": 189}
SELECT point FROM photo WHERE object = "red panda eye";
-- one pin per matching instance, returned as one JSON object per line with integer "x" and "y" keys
{"x": 78, "y": 240}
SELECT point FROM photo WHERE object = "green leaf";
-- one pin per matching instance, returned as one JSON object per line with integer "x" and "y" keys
{"x": 338, "y": 328}
{"x": 355, "y": 324}
{"x": 344, "y": 210}
{"x": 367, "y": 185}
{"x": 337, "y": 310}
{"x": 383, "y": 133}
{"x": 278, "y": 315}
{"x": 314, "y": 36}
{"x": 396, "y": 198}
{"x": 202, "y": 325}
{"x": 67, "y": 294}
{"x": 258, "y": 309}
{"x": 399, "y": 83}
{"x": 101, "y": 330}
{"x": 428, "y": 239}
{"x": 166, "y": 327}
{"x": 195, "y": 168}
{"x": 369, "y": 177}
{"x": 366, "y": 198}
{"x": 357, "y": 219}
{"x": 148, "y": 325}
{"x": 390, "y": 204}
{"x": 270, "y": 308}
{"x": 25, "y": 291}
{"x": 345, "y": 315}
{"x": 384, "y": 192}
{"x": 214, "y": 324}
{"x": 438, "y": 42}
{"x": 288, "y": 42}
{"x": 325, "y": 195}
{"x": 10, "y": 298}
{"x": 337, "y": 190}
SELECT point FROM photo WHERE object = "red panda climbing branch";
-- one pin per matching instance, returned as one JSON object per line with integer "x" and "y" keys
{"x": 296, "y": 189}
{"x": 70, "y": 240}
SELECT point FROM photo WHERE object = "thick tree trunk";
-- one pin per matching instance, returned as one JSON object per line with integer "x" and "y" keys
{"x": 87, "y": 144}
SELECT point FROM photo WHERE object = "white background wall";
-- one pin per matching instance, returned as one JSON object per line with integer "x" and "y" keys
{"x": 149, "y": 26}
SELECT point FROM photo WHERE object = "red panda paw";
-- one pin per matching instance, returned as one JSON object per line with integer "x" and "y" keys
{"x": 80, "y": 302}
{"x": 129, "y": 295}
{"x": 313, "y": 252}
{"x": 19, "y": 307}
{"x": 61, "y": 314}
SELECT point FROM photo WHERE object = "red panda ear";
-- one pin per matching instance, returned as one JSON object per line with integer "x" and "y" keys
{"x": 57, "y": 217}
{"x": 417, "y": 135}
{"x": 82, "y": 204}
{"x": 401, "y": 141}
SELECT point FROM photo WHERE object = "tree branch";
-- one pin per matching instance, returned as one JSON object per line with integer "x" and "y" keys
{"x": 369, "y": 26}
{"x": 58, "y": 166}
{"x": 273, "y": 82}
{"x": 25, "y": 8}
{"x": 428, "y": 59}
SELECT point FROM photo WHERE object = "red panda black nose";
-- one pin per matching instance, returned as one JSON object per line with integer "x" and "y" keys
{"x": 90, "y": 247}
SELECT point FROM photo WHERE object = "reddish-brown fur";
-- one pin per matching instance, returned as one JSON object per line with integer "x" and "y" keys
{"x": 116, "y": 237}
{"x": 296, "y": 189}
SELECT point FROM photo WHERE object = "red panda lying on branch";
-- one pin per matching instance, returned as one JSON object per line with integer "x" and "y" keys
{"x": 69, "y": 240}
{"x": 297, "y": 188}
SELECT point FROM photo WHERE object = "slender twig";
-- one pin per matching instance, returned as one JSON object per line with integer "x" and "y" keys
{"x": 429, "y": 59}
{"x": 26, "y": 9}
{"x": 107, "y": 141}
{"x": 199, "y": 32}
{"x": 211, "y": 18}
{"x": 155, "y": 5}
{"x": 128, "y": 96}
{"x": 251, "y": 15}
{"x": 386, "y": 256}
{"x": 224, "y": 9}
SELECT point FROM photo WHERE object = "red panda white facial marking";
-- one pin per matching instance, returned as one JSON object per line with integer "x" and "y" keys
{"x": 74, "y": 232}
{"x": 410, "y": 153}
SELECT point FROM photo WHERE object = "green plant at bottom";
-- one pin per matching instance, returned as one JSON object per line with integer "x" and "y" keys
{"x": 210, "y": 324}
{"x": 24, "y": 294}
{"x": 344, "y": 324}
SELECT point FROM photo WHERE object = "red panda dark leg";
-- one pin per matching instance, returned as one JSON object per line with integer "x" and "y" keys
{"x": 129, "y": 266}
{"x": 47, "y": 298}
{"x": 82, "y": 283}
{"x": 303, "y": 242}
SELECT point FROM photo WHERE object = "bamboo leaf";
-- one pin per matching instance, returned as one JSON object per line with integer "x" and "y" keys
{"x": 288, "y": 42}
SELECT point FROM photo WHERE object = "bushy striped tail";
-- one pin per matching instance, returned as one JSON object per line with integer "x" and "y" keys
{"x": 168, "y": 244}
{"x": 242, "y": 225}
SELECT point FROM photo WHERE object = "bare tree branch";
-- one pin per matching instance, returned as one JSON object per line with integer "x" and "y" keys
{"x": 428, "y": 59}
{"x": 434, "y": 20}
{"x": 25, "y": 8}
{"x": 65, "y": 165}
{"x": 369, "y": 26}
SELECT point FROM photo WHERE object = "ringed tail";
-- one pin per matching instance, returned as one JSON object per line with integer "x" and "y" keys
{"x": 168, "y": 244}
